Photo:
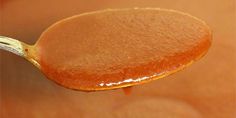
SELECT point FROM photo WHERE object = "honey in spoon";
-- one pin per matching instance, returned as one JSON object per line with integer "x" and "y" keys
{"x": 117, "y": 48}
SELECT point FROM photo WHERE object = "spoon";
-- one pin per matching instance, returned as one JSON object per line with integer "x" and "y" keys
{"x": 115, "y": 48}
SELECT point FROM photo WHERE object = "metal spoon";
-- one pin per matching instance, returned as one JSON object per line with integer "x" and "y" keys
{"x": 117, "y": 48}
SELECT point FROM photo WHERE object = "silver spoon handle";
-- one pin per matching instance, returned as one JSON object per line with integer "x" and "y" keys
{"x": 11, "y": 45}
{"x": 19, "y": 48}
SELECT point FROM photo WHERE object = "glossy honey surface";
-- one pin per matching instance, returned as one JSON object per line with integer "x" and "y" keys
{"x": 117, "y": 48}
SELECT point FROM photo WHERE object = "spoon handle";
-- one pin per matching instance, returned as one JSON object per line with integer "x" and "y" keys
{"x": 19, "y": 48}
{"x": 12, "y": 45}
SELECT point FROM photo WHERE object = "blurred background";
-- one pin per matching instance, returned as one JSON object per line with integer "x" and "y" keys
{"x": 207, "y": 89}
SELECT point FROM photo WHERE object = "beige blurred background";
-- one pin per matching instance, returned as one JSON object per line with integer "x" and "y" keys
{"x": 207, "y": 89}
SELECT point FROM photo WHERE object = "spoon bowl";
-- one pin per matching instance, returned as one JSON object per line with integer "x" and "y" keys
{"x": 115, "y": 48}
